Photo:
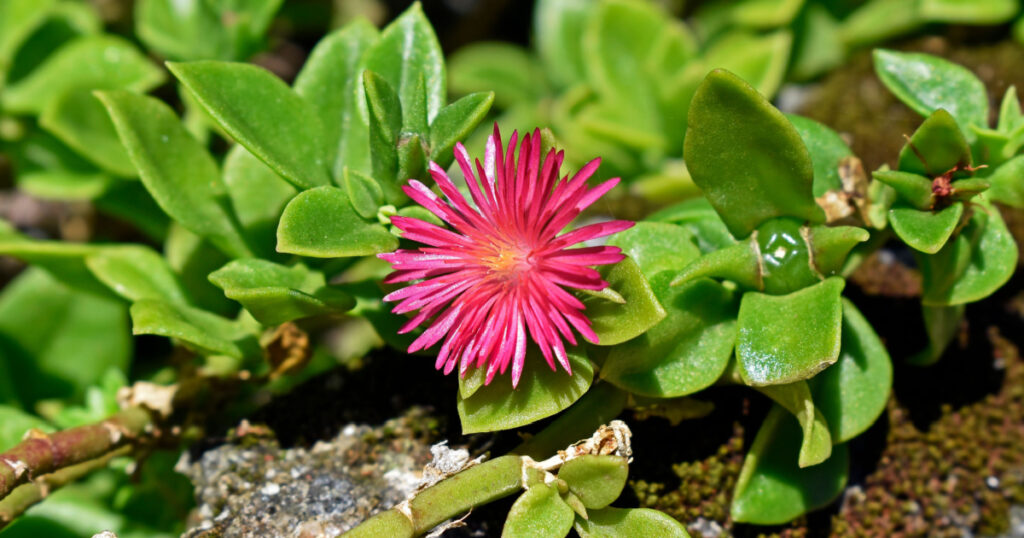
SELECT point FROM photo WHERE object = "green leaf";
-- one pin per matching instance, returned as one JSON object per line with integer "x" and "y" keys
{"x": 773, "y": 177}
{"x": 927, "y": 83}
{"x": 15, "y": 423}
{"x": 206, "y": 333}
{"x": 409, "y": 57}
{"x": 64, "y": 185}
{"x": 178, "y": 172}
{"x": 771, "y": 488}
{"x": 258, "y": 197}
{"x": 18, "y": 19}
{"x": 1006, "y": 184}
{"x": 507, "y": 70}
{"x": 56, "y": 341}
{"x": 879, "y": 20}
{"x": 321, "y": 223}
{"x": 385, "y": 124}
{"x": 87, "y": 63}
{"x": 826, "y": 148}
{"x": 182, "y": 29}
{"x": 596, "y": 480}
{"x": 786, "y": 338}
{"x": 657, "y": 246}
{"x": 364, "y": 192}
{"x": 759, "y": 59}
{"x": 193, "y": 258}
{"x": 816, "y": 442}
{"x": 972, "y": 266}
{"x": 65, "y": 261}
{"x": 831, "y": 246}
{"x": 926, "y": 231}
{"x": 852, "y": 393}
{"x": 263, "y": 114}
{"x": 131, "y": 202}
{"x": 615, "y": 323}
{"x": 685, "y": 352}
{"x": 274, "y": 293}
{"x": 698, "y": 216}
{"x": 989, "y": 12}
{"x": 1009, "y": 111}
{"x": 941, "y": 323}
{"x": 558, "y": 27}
{"x": 914, "y": 189}
{"x": 765, "y": 13}
{"x": 818, "y": 47}
{"x": 613, "y": 522}
{"x": 541, "y": 393}
{"x": 79, "y": 120}
{"x": 136, "y": 272}
{"x": 456, "y": 122}
{"x": 936, "y": 147}
{"x": 539, "y": 512}
{"x": 331, "y": 80}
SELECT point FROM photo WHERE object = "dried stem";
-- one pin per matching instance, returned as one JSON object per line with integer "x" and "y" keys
{"x": 26, "y": 495}
{"x": 41, "y": 454}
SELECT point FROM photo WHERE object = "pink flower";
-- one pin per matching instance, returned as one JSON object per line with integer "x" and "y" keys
{"x": 499, "y": 273}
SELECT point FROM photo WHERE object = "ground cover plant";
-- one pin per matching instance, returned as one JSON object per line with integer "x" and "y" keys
{"x": 483, "y": 228}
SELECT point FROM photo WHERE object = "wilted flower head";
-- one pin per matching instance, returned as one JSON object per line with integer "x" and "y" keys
{"x": 499, "y": 273}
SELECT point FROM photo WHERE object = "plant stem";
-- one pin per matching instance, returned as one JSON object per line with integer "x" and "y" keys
{"x": 27, "y": 495}
{"x": 43, "y": 454}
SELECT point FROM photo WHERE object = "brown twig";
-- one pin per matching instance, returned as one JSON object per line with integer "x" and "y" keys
{"x": 27, "y": 495}
{"x": 41, "y": 454}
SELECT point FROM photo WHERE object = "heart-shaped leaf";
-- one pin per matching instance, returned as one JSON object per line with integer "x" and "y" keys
{"x": 774, "y": 176}
{"x": 321, "y": 223}
{"x": 772, "y": 489}
{"x": 786, "y": 338}
{"x": 596, "y": 480}
{"x": 87, "y": 63}
{"x": 613, "y": 522}
{"x": 540, "y": 512}
{"x": 685, "y": 352}
{"x": 541, "y": 393}
{"x": 274, "y": 293}
{"x": 615, "y": 323}
{"x": 263, "y": 114}
{"x": 926, "y": 231}
{"x": 927, "y": 83}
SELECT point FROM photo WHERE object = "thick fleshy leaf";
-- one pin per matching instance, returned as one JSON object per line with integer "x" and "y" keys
{"x": 786, "y": 338}
{"x": 364, "y": 192}
{"x": 926, "y": 231}
{"x": 989, "y": 12}
{"x": 936, "y": 147}
{"x": 687, "y": 351}
{"x": 540, "y": 512}
{"x": 927, "y": 83}
{"x": 274, "y": 293}
{"x": 1009, "y": 111}
{"x": 179, "y": 173}
{"x": 816, "y": 442}
{"x": 204, "y": 29}
{"x": 914, "y": 189}
{"x": 657, "y": 246}
{"x": 559, "y": 33}
{"x": 64, "y": 185}
{"x": 206, "y": 333}
{"x": 193, "y": 259}
{"x": 18, "y": 19}
{"x": 508, "y": 70}
{"x": 596, "y": 480}
{"x": 409, "y": 57}
{"x": 456, "y": 122}
{"x": 774, "y": 175}
{"x": 826, "y": 148}
{"x": 331, "y": 80}
{"x": 321, "y": 223}
{"x": 613, "y": 522}
{"x": 818, "y": 46}
{"x": 852, "y": 393}
{"x": 759, "y": 59}
{"x": 15, "y": 423}
{"x": 698, "y": 216}
{"x": 87, "y": 63}
{"x": 65, "y": 261}
{"x": 385, "y": 112}
{"x": 978, "y": 261}
{"x": 1006, "y": 184}
{"x": 772, "y": 489}
{"x": 941, "y": 323}
{"x": 79, "y": 120}
{"x": 131, "y": 202}
{"x": 55, "y": 341}
{"x": 878, "y": 20}
{"x": 784, "y": 257}
{"x": 136, "y": 272}
{"x": 258, "y": 196}
{"x": 615, "y": 323}
{"x": 831, "y": 246}
{"x": 765, "y": 13}
{"x": 263, "y": 114}
{"x": 541, "y": 393}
